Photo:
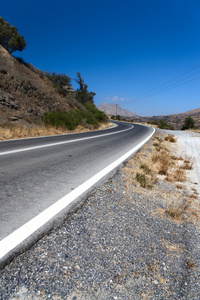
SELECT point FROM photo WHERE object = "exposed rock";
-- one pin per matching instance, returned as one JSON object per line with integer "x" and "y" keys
{"x": 69, "y": 89}
{"x": 3, "y": 71}
{"x": 23, "y": 90}
{"x": 8, "y": 100}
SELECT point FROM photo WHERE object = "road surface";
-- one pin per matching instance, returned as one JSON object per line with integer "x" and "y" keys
{"x": 36, "y": 173}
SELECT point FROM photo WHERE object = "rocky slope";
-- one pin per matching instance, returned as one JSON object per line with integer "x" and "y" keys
{"x": 176, "y": 121}
{"x": 192, "y": 112}
{"x": 24, "y": 95}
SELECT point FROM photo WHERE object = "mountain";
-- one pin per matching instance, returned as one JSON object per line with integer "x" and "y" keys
{"x": 115, "y": 109}
{"x": 25, "y": 95}
{"x": 176, "y": 121}
{"x": 192, "y": 112}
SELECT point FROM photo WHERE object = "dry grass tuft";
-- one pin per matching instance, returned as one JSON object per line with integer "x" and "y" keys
{"x": 176, "y": 208}
{"x": 142, "y": 180}
{"x": 162, "y": 162}
{"x": 170, "y": 138}
{"x": 173, "y": 157}
{"x": 188, "y": 164}
{"x": 179, "y": 186}
{"x": 190, "y": 264}
{"x": 145, "y": 168}
{"x": 177, "y": 175}
{"x": 171, "y": 247}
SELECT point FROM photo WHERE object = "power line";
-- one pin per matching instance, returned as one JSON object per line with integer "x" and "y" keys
{"x": 167, "y": 87}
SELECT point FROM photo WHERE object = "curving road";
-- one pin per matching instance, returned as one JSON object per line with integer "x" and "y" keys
{"x": 35, "y": 173}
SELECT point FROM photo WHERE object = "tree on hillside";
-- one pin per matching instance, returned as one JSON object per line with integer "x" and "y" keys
{"x": 188, "y": 123}
{"x": 10, "y": 38}
{"x": 82, "y": 94}
{"x": 60, "y": 80}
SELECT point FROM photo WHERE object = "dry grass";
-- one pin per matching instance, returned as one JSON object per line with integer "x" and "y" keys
{"x": 161, "y": 162}
{"x": 176, "y": 208}
{"x": 171, "y": 247}
{"x": 144, "y": 170}
{"x": 11, "y": 131}
{"x": 179, "y": 186}
{"x": 188, "y": 164}
{"x": 148, "y": 166}
{"x": 170, "y": 138}
{"x": 177, "y": 175}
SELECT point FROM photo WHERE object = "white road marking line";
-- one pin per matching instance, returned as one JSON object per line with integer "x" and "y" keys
{"x": 61, "y": 143}
{"x": 13, "y": 240}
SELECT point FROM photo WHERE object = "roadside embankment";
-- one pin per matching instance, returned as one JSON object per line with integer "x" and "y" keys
{"x": 136, "y": 237}
{"x": 17, "y": 131}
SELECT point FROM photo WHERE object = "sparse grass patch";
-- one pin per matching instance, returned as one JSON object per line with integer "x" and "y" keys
{"x": 145, "y": 168}
{"x": 170, "y": 138}
{"x": 156, "y": 144}
{"x": 190, "y": 264}
{"x": 176, "y": 175}
{"x": 171, "y": 247}
{"x": 176, "y": 208}
{"x": 188, "y": 164}
{"x": 141, "y": 178}
{"x": 162, "y": 161}
{"x": 173, "y": 157}
{"x": 179, "y": 186}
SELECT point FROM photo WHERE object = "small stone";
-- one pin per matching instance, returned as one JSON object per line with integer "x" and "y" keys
{"x": 155, "y": 282}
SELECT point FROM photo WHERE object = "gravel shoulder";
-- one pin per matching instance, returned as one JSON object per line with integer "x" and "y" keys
{"x": 122, "y": 244}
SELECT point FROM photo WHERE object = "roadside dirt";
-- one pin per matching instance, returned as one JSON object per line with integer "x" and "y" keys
{"x": 136, "y": 237}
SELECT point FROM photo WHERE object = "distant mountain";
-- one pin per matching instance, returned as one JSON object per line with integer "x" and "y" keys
{"x": 113, "y": 109}
{"x": 192, "y": 112}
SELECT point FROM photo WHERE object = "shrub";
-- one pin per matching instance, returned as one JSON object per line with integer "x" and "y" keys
{"x": 162, "y": 124}
{"x": 170, "y": 138}
{"x": 188, "y": 123}
{"x": 70, "y": 120}
{"x": 141, "y": 178}
{"x": 176, "y": 208}
{"x": 145, "y": 168}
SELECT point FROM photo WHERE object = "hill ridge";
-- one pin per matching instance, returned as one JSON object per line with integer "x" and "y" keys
{"x": 115, "y": 109}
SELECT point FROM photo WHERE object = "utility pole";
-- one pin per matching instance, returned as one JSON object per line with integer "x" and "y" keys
{"x": 116, "y": 109}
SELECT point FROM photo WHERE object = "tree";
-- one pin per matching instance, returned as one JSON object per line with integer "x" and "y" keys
{"x": 82, "y": 94}
{"x": 10, "y": 38}
{"x": 60, "y": 81}
{"x": 188, "y": 123}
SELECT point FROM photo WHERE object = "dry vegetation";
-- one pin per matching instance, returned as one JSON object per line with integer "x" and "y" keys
{"x": 155, "y": 163}
{"x": 16, "y": 131}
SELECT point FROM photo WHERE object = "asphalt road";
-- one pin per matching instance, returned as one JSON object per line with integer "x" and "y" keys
{"x": 37, "y": 172}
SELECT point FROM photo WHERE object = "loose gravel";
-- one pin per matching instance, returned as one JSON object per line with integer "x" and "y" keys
{"x": 117, "y": 246}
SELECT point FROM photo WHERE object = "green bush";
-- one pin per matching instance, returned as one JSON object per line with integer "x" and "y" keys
{"x": 188, "y": 123}
{"x": 70, "y": 120}
{"x": 162, "y": 124}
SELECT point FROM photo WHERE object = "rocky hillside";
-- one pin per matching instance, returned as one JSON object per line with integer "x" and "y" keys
{"x": 192, "y": 112}
{"x": 175, "y": 121}
{"x": 24, "y": 95}
{"x": 115, "y": 109}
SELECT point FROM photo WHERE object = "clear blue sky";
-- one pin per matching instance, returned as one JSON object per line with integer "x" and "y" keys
{"x": 123, "y": 49}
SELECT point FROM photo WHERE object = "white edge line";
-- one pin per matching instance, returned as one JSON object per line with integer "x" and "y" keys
{"x": 18, "y": 236}
{"x": 64, "y": 142}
